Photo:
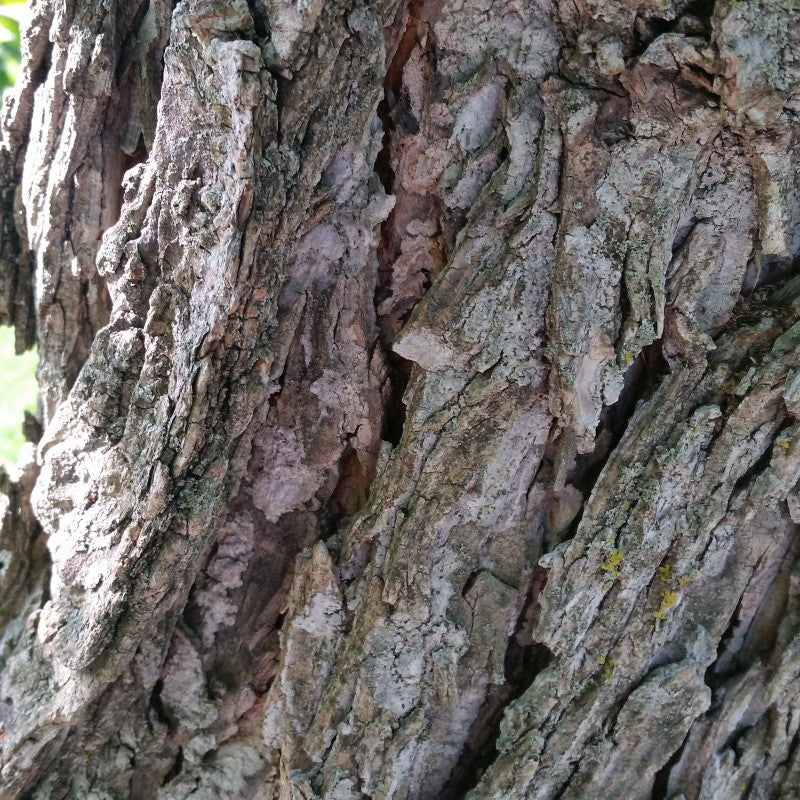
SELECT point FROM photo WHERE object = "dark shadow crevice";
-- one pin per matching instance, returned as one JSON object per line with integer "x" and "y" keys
{"x": 396, "y": 121}
{"x": 260, "y": 20}
{"x": 660, "y": 790}
{"x": 694, "y": 20}
{"x": 524, "y": 660}
{"x": 642, "y": 379}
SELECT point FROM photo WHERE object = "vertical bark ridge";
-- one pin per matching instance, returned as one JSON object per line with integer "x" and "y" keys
{"x": 85, "y": 122}
{"x": 17, "y": 262}
{"x": 156, "y": 305}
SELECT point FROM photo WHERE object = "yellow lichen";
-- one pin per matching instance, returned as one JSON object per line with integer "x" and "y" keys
{"x": 665, "y": 572}
{"x": 613, "y": 562}
{"x": 669, "y": 599}
{"x": 608, "y": 665}
{"x": 627, "y": 355}
{"x": 783, "y": 443}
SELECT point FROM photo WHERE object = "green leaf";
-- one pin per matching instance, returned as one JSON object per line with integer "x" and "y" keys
{"x": 9, "y": 51}
{"x": 11, "y": 25}
{"x": 10, "y": 55}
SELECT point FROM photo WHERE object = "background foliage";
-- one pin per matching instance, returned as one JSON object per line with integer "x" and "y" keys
{"x": 9, "y": 42}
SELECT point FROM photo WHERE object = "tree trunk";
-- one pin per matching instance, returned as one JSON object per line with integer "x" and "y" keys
{"x": 421, "y": 401}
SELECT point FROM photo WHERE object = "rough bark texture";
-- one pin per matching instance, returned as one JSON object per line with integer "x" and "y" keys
{"x": 421, "y": 401}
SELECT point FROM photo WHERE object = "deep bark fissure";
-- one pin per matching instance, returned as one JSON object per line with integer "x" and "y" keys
{"x": 694, "y": 19}
{"x": 642, "y": 379}
{"x": 126, "y": 48}
{"x": 524, "y": 660}
{"x": 418, "y": 12}
{"x": 661, "y": 780}
{"x": 260, "y": 20}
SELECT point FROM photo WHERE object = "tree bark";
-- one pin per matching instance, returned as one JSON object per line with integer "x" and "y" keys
{"x": 420, "y": 389}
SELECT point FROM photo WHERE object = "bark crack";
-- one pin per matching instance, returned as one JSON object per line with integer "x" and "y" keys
{"x": 524, "y": 660}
